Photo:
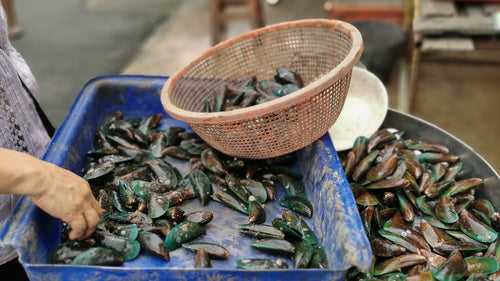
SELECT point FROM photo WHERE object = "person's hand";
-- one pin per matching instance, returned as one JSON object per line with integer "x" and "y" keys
{"x": 67, "y": 196}
{"x": 57, "y": 191}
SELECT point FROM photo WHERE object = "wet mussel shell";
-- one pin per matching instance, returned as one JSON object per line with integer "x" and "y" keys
{"x": 278, "y": 246}
{"x": 130, "y": 231}
{"x": 303, "y": 254}
{"x": 99, "y": 170}
{"x": 201, "y": 186}
{"x": 200, "y": 217}
{"x": 153, "y": 244}
{"x": 128, "y": 248}
{"x": 256, "y": 212}
{"x": 182, "y": 233}
{"x": 214, "y": 250}
{"x": 261, "y": 231}
{"x": 202, "y": 259}
{"x": 298, "y": 204}
{"x": 319, "y": 258}
{"x": 99, "y": 256}
{"x": 65, "y": 252}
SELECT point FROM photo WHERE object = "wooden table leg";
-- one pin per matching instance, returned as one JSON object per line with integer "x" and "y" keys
{"x": 217, "y": 21}
{"x": 255, "y": 10}
{"x": 413, "y": 88}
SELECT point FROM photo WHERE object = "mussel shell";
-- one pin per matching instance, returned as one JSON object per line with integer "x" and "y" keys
{"x": 483, "y": 265}
{"x": 175, "y": 214}
{"x": 385, "y": 248}
{"x": 445, "y": 210}
{"x": 383, "y": 170}
{"x": 434, "y": 235}
{"x": 256, "y": 212}
{"x": 398, "y": 240}
{"x": 65, "y": 252}
{"x": 394, "y": 264}
{"x": 194, "y": 146}
{"x": 130, "y": 231}
{"x": 148, "y": 123}
{"x": 303, "y": 253}
{"x": 163, "y": 172}
{"x": 255, "y": 188}
{"x": 292, "y": 186}
{"x": 300, "y": 225}
{"x": 298, "y": 204}
{"x": 379, "y": 138}
{"x": 267, "y": 86}
{"x": 128, "y": 248}
{"x": 177, "y": 152}
{"x": 462, "y": 186}
{"x": 261, "y": 231}
{"x": 285, "y": 90}
{"x": 406, "y": 207}
{"x": 407, "y": 233}
{"x": 201, "y": 186}
{"x": 319, "y": 258}
{"x": 232, "y": 201}
{"x": 141, "y": 187}
{"x": 453, "y": 171}
{"x": 99, "y": 170}
{"x": 214, "y": 250}
{"x": 153, "y": 244}
{"x": 436, "y": 157}
{"x": 483, "y": 207}
{"x": 173, "y": 135}
{"x": 366, "y": 217}
{"x": 157, "y": 204}
{"x": 364, "y": 165}
{"x": 182, "y": 233}
{"x": 201, "y": 217}
{"x": 452, "y": 269}
{"x": 118, "y": 128}
{"x": 291, "y": 231}
{"x": 202, "y": 259}
{"x": 476, "y": 229}
{"x": 234, "y": 184}
{"x": 99, "y": 256}
{"x": 285, "y": 75}
{"x": 279, "y": 246}
{"x": 212, "y": 162}
{"x": 366, "y": 199}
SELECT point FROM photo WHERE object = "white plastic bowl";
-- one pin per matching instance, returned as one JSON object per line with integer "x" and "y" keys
{"x": 364, "y": 109}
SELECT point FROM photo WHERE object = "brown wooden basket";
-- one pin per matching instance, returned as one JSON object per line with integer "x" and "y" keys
{"x": 322, "y": 51}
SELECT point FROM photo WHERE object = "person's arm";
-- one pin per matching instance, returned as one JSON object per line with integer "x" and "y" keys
{"x": 55, "y": 190}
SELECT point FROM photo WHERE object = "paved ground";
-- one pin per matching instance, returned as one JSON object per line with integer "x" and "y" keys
{"x": 67, "y": 43}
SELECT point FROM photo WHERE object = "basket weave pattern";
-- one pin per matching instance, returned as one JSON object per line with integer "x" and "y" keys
{"x": 323, "y": 52}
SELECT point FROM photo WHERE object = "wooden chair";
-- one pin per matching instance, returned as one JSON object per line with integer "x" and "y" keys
{"x": 219, "y": 16}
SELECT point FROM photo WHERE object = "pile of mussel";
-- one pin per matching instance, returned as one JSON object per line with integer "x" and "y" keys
{"x": 141, "y": 191}
{"x": 252, "y": 92}
{"x": 419, "y": 212}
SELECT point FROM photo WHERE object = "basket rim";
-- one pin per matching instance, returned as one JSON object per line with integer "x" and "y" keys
{"x": 304, "y": 93}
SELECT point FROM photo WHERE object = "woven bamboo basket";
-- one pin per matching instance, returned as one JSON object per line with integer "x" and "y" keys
{"x": 322, "y": 51}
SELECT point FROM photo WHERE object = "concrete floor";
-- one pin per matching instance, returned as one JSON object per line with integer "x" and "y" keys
{"x": 460, "y": 98}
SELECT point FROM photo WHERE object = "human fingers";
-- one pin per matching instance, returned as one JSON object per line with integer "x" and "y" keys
{"x": 78, "y": 228}
{"x": 96, "y": 207}
{"x": 92, "y": 218}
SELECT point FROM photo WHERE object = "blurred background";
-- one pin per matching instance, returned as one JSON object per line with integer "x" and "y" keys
{"x": 451, "y": 71}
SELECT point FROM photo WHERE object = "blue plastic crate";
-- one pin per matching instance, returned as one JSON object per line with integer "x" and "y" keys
{"x": 336, "y": 220}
